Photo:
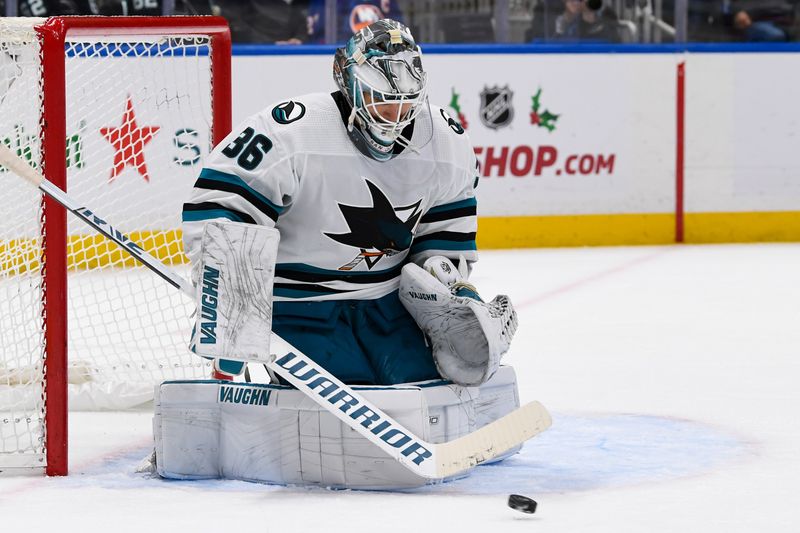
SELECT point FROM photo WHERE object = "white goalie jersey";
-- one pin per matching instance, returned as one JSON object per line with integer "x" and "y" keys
{"x": 347, "y": 223}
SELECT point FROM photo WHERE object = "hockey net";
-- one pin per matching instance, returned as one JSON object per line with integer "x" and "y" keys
{"x": 120, "y": 113}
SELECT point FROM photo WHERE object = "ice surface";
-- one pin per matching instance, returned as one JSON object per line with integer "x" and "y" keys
{"x": 673, "y": 374}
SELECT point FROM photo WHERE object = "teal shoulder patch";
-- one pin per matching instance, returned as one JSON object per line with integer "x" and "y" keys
{"x": 288, "y": 112}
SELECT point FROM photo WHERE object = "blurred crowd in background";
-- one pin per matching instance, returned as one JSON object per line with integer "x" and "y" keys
{"x": 466, "y": 21}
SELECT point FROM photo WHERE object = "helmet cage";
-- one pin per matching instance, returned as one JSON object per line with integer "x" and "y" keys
{"x": 380, "y": 73}
{"x": 386, "y": 113}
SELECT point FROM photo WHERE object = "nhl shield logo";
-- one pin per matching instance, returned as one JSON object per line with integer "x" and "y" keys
{"x": 496, "y": 108}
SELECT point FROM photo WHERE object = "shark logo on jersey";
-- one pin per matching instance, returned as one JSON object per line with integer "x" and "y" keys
{"x": 377, "y": 230}
{"x": 288, "y": 112}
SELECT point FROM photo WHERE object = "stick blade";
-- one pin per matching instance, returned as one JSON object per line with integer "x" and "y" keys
{"x": 492, "y": 440}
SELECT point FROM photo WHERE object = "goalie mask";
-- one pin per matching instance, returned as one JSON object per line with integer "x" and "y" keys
{"x": 380, "y": 73}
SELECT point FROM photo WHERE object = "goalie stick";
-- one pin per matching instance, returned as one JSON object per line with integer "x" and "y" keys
{"x": 428, "y": 460}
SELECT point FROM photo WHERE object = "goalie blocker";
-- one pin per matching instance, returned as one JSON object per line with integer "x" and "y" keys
{"x": 233, "y": 278}
{"x": 275, "y": 434}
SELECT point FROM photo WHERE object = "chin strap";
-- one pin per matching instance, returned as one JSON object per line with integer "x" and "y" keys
{"x": 351, "y": 119}
{"x": 405, "y": 143}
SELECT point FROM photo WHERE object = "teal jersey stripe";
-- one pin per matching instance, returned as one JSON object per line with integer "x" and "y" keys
{"x": 236, "y": 181}
{"x": 196, "y": 216}
{"x": 469, "y": 202}
{"x": 443, "y": 245}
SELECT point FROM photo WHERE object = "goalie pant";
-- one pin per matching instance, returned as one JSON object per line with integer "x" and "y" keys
{"x": 273, "y": 434}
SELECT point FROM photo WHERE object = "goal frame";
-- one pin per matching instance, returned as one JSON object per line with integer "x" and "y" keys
{"x": 52, "y": 34}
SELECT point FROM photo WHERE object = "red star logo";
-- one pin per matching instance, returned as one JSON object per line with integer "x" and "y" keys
{"x": 129, "y": 141}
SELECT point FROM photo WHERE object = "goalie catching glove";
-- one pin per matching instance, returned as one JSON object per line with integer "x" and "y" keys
{"x": 468, "y": 336}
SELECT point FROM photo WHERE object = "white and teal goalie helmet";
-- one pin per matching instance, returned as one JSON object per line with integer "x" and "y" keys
{"x": 379, "y": 71}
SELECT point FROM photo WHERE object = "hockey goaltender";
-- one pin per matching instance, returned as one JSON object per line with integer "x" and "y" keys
{"x": 357, "y": 210}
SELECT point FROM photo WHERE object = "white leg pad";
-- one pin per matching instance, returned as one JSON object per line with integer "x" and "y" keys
{"x": 275, "y": 434}
{"x": 234, "y": 291}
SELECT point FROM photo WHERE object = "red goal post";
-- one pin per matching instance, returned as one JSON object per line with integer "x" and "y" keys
{"x": 169, "y": 72}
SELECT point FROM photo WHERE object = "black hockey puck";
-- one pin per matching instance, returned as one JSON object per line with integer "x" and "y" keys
{"x": 522, "y": 503}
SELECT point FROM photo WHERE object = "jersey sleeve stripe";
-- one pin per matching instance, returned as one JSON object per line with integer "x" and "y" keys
{"x": 444, "y": 240}
{"x": 461, "y": 204}
{"x": 460, "y": 225}
{"x": 215, "y": 180}
{"x": 449, "y": 215}
{"x": 210, "y": 210}
{"x": 446, "y": 236}
{"x": 444, "y": 246}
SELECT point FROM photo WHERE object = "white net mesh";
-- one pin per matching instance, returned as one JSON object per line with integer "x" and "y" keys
{"x": 21, "y": 285}
{"x": 138, "y": 119}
